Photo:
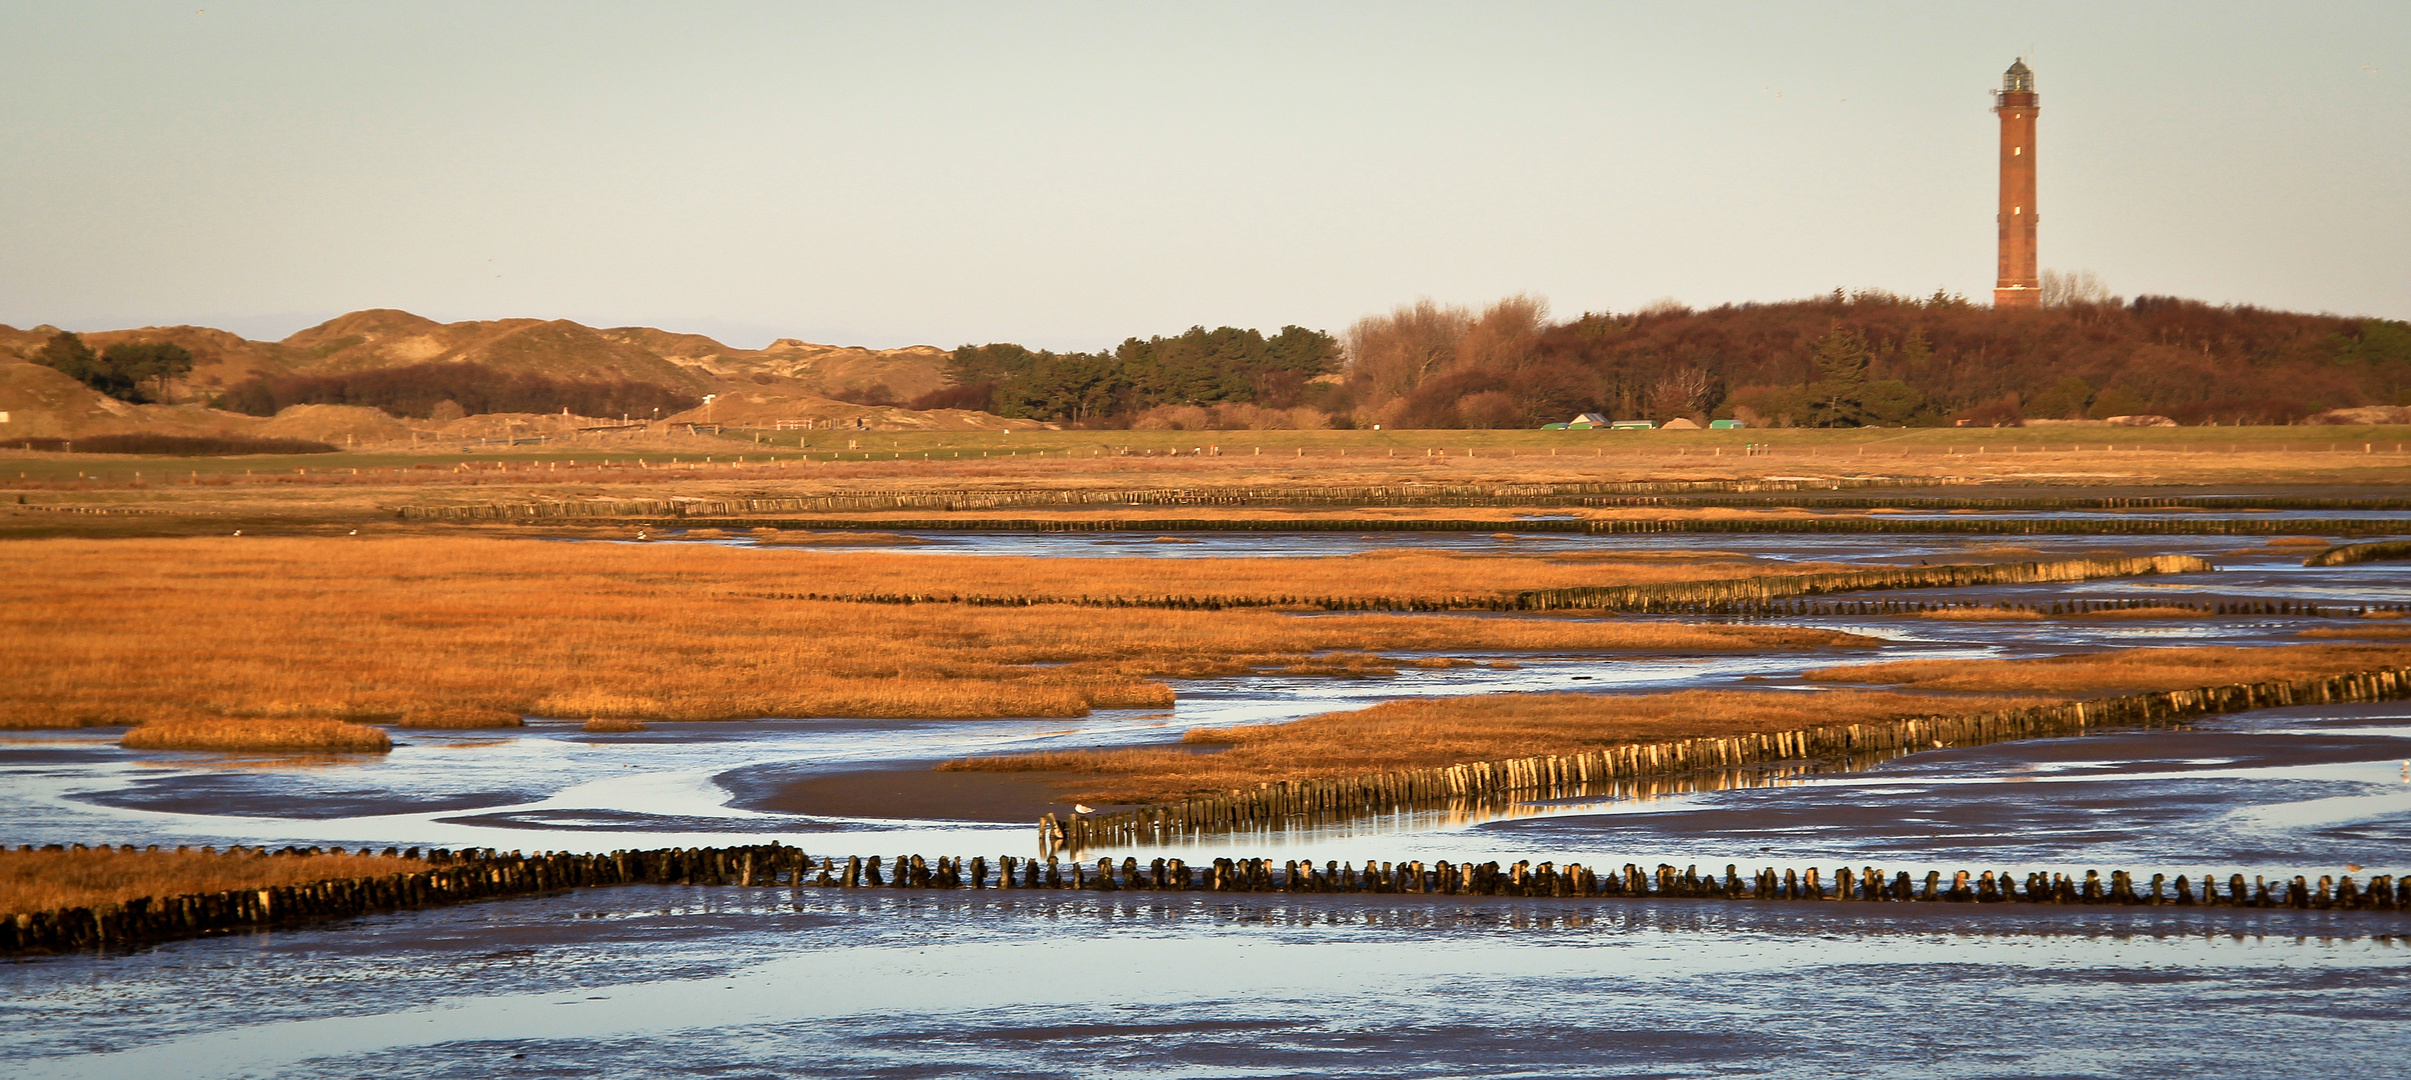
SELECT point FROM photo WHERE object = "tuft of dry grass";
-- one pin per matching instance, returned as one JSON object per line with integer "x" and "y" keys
{"x": 1981, "y": 614}
{"x": 460, "y": 716}
{"x": 49, "y": 880}
{"x": 2146, "y": 613}
{"x": 2123, "y": 670}
{"x": 2360, "y": 633}
{"x": 848, "y": 538}
{"x": 248, "y": 734}
{"x": 1995, "y": 614}
{"x": 374, "y": 628}
{"x": 613, "y": 723}
{"x": 1434, "y": 732}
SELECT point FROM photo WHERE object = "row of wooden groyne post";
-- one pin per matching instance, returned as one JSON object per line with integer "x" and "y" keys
{"x": 1275, "y": 805}
{"x": 1825, "y": 525}
{"x": 1771, "y": 594}
{"x": 952, "y": 500}
{"x": 1819, "y": 525}
{"x": 451, "y": 878}
{"x": 1725, "y": 494}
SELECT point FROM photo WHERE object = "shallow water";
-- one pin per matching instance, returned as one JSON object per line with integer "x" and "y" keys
{"x": 1784, "y": 547}
{"x": 647, "y": 981}
{"x": 652, "y": 980}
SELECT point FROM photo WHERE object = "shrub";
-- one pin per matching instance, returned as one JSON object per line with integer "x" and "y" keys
{"x": 196, "y": 445}
{"x": 422, "y": 389}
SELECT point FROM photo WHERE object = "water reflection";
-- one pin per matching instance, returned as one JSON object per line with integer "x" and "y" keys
{"x": 647, "y": 981}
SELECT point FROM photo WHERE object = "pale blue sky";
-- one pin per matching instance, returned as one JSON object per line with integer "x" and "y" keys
{"x": 1067, "y": 175}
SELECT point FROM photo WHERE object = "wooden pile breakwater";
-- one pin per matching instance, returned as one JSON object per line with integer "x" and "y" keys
{"x": 654, "y": 515}
{"x": 449, "y": 878}
{"x": 1574, "y": 775}
{"x": 1605, "y": 527}
{"x": 2349, "y": 554}
{"x": 1766, "y": 595}
{"x": 1732, "y": 494}
{"x": 951, "y": 500}
{"x": 1744, "y": 592}
{"x": 480, "y": 875}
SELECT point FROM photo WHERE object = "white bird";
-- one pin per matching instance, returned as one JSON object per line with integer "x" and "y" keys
{"x": 1083, "y": 808}
{"x": 354, "y": 532}
{"x": 238, "y": 532}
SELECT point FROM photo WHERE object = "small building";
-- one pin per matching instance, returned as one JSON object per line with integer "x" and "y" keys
{"x": 1723, "y": 425}
{"x": 1680, "y": 423}
{"x": 1553, "y": 427}
{"x": 1587, "y": 421}
{"x": 1634, "y": 425}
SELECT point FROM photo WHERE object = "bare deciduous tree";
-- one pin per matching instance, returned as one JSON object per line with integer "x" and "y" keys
{"x": 1396, "y": 351}
{"x": 2064, "y": 287}
{"x": 1679, "y": 392}
{"x": 1504, "y": 336}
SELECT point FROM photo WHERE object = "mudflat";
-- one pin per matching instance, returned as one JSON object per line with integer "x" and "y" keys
{"x": 915, "y": 791}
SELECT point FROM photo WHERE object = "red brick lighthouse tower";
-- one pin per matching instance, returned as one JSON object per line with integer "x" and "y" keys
{"x": 2021, "y": 282}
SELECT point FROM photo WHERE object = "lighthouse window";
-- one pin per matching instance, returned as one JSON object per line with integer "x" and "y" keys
{"x": 2017, "y": 210}
{"x": 2018, "y": 151}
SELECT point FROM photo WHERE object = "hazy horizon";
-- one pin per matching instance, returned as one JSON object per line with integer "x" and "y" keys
{"x": 1069, "y": 175}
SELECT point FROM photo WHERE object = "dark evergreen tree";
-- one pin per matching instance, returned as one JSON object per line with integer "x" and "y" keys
{"x": 1837, "y": 390}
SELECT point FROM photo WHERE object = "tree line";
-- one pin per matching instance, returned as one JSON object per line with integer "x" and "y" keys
{"x": 1199, "y": 367}
{"x": 1866, "y": 358}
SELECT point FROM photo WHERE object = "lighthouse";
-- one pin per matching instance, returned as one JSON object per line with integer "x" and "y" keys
{"x": 2021, "y": 283}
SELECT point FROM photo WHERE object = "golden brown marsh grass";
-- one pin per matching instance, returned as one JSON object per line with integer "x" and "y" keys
{"x": 2123, "y": 670}
{"x": 49, "y": 880}
{"x": 2360, "y": 633}
{"x": 373, "y": 628}
{"x": 1434, "y": 732}
{"x": 460, "y": 716}
{"x": 1382, "y": 574}
{"x": 613, "y": 723}
{"x": 1981, "y": 614}
{"x": 253, "y": 733}
{"x": 1994, "y": 614}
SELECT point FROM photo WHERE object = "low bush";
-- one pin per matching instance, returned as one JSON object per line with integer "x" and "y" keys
{"x": 420, "y": 389}
{"x": 175, "y": 445}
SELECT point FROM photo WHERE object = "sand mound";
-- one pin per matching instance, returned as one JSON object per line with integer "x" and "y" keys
{"x": 44, "y": 404}
{"x": 338, "y": 425}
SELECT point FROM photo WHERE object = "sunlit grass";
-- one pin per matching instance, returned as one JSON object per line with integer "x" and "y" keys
{"x": 49, "y": 880}
{"x": 375, "y": 630}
